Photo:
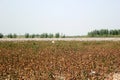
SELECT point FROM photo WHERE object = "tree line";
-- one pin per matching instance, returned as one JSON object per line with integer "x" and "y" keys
{"x": 104, "y": 33}
{"x": 27, "y": 35}
{"x": 94, "y": 33}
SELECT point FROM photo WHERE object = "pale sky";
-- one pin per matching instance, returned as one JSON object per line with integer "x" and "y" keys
{"x": 71, "y": 17}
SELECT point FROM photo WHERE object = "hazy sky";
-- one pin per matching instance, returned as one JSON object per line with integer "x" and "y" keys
{"x": 71, "y": 17}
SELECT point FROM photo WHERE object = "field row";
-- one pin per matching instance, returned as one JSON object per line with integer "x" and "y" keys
{"x": 60, "y": 39}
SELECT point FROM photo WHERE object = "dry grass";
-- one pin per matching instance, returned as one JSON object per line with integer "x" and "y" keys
{"x": 63, "y": 60}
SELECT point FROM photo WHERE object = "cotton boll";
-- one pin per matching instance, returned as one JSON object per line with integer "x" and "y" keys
{"x": 53, "y": 42}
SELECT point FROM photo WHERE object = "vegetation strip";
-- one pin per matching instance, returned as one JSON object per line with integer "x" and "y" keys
{"x": 60, "y": 39}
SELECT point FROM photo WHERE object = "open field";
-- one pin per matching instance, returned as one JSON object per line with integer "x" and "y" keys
{"x": 60, "y": 39}
{"x": 62, "y": 60}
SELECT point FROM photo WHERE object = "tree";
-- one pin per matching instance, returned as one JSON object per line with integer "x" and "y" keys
{"x": 104, "y": 32}
{"x": 33, "y": 36}
{"x": 37, "y": 35}
{"x": 111, "y": 32}
{"x": 91, "y": 34}
{"x": 50, "y": 35}
{"x": 57, "y": 35}
{"x": 119, "y": 32}
{"x": 1, "y": 35}
{"x": 42, "y": 35}
{"x": 10, "y": 35}
{"x": 27, "y": 35}
{"x": 45, "y": 35}
{"x": 14, "y": 35}
{"x": 62, "y": 35}
{"x": 116, "y": 32}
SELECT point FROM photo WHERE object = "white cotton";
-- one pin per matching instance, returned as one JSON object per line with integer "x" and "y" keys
{"x": 53, "y": 42}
